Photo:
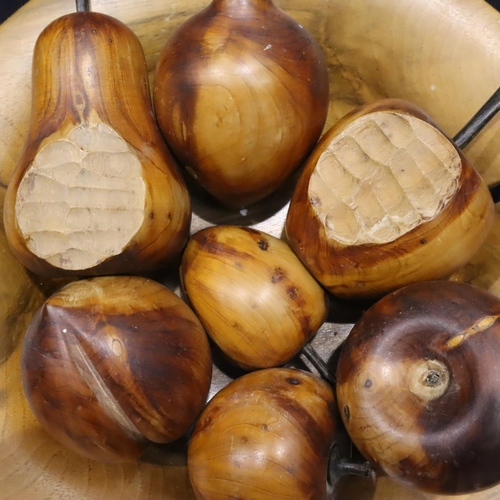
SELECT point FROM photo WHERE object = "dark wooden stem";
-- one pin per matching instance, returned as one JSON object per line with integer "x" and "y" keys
{"x": 495, "y": 192}
{"x": 345, "y": 467}
{"x": 83, "y": 5}
{"x": 475, "y": 125}
{"x": 341, "y": 466}
{"x": 317, "y": 361}
{"x": 478, "y": 121}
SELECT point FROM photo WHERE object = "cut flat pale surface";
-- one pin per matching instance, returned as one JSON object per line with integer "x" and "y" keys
{"x": 382, "y": 177}
{"x": 82, "y": 199}
{"x": 429, "y": 52}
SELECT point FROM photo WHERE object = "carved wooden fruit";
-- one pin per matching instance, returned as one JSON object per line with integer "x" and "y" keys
{"x": 254, "y": 297}
{"x": 418, "y": 386}
{"x": 266, "y": 435}
{"x": 241, "y": 94}
{"x": 386, "y": 200}
{"x": 112, "y": 363}
{"x": 95, "y": 190}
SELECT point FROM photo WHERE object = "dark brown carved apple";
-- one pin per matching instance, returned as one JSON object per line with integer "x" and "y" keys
{"x": 418, "y": 386}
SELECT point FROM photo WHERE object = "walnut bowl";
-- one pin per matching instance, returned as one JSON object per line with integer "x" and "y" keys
{"x": 442, "y": 55}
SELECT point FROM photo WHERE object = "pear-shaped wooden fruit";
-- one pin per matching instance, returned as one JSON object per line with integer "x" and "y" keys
{"x": 385, "y": 200}
{"x": 95, "y": 190}
{"x": 241, "y": 94}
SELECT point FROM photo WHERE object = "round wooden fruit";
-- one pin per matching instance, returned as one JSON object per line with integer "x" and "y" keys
{"x": 113, "y": 363}
{"x": 266, "y": 435}
{"x": 418, "y": 382}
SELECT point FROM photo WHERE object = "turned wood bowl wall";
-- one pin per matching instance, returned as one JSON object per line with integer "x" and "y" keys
{"x": 444, "y": 55}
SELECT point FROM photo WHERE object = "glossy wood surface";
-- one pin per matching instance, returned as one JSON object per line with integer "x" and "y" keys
{"x": 90, "y": 104}
{"x": 352, "y": 252}
{"x": 257, "y": 99}
{"x": 443, "y": 55}
{"x": 418, "y": 372}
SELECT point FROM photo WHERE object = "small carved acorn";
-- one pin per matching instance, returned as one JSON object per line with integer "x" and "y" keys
{"x": 386, "y": 200}
{"x": 266, "y": 435}
{"x": 254, "y": 297}
{"x": 241, "y": 95}
{"x": 110, "y": 364}
{"x": 95, "y": 190}
{"x": 418, "y": 386}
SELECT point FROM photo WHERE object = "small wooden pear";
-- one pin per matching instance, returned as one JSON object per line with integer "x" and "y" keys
{"x": 95, "y": 190}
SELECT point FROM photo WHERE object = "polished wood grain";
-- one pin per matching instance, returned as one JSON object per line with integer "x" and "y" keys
{"x": 112, "y": 364}
{"x": 245, "y": 112}
{"x": 417, "y": 384}
{"x": 254, "y": 297}
{"x": 292, "y": 416}
{"x": 385, "y": 200}
{"x": 443, "y": 55}
{"x": 95, "y": 190}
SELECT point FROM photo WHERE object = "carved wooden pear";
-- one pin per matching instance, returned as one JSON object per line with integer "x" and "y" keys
{"x": 95, "y": 190}
{"x": 385, "y": 200}
{"x": 241, "y": 94}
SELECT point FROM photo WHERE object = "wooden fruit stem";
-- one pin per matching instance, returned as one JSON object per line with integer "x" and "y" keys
{"x": 475, "y": 125}
{"x": 340, "y": 466}
{"x": 344, "y": 467}
{"x": 317, "y": 361}
{"x": 478, "y": 121}
{"x": 83, "y": 5}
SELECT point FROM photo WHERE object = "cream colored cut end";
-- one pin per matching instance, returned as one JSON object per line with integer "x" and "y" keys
{"x": 384, "y": 175}
{"x": 428, "y": 379}
{"x": 82, "y": 199}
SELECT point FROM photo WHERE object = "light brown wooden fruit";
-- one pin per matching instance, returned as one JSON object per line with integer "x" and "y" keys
{"x": 241, "y": 94}
{"x": 95, "y": 190}
{"x": 254, "y": 297}
{"x": 386, "y": 200}
{"x": 266, "y": 435}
